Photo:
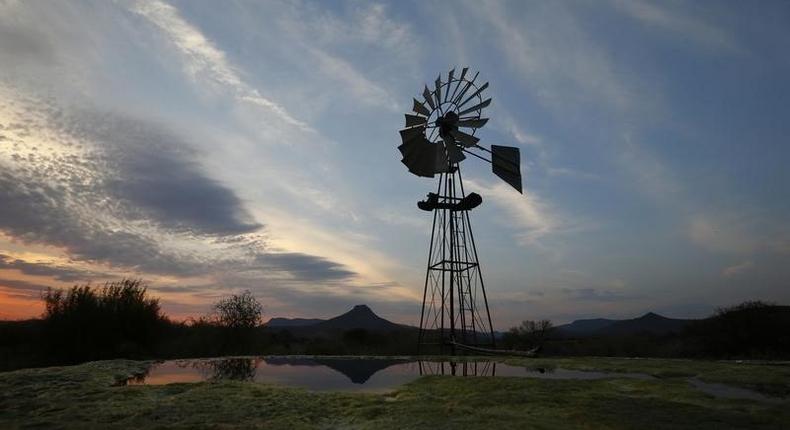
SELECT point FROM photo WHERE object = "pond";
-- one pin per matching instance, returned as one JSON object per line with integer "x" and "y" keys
{"x": 343, "y": 374}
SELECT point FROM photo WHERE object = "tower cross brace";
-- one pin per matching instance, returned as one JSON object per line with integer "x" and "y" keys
{"x": 455, "y": 309}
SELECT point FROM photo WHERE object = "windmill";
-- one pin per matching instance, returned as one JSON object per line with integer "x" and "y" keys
{"x": 439, "y": 133}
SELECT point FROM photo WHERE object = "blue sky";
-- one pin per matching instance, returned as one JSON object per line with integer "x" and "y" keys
{"x": 252, "y": 145}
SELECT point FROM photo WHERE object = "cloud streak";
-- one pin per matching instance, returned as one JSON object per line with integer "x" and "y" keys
{"x": 203, "y": 61}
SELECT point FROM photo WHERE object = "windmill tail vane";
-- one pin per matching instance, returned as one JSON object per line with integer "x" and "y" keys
{"x": 439, "y": 132}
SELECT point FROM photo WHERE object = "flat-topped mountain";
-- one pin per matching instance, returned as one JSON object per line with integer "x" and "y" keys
{"x": 359, "y": 317}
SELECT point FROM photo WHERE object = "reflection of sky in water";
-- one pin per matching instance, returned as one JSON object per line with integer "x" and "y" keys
{"x": 324, "y": 378}
{"x": 337, "y": 375}
{"x": 325, "y": 374}
{"x": 373, "y": 375}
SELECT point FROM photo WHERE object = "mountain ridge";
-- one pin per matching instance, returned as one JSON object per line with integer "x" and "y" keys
{"x": 362, "y": 317}
{"x": 650, "y": 323}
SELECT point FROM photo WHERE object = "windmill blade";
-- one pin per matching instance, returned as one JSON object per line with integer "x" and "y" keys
{"x": 442, "y": 162}
{"x": 467, "y": 140}
{"x": 460, "y": 81}
{"x": 466, "y": 88}
{"x": 408, "y": 134}
{"x": 420, "y": 108}
{"x": 425, "y": 165}
{"x": 479, "y": 90}
{"x": 428, "y": 97}
{"x": 449, "y": 82}
{"x": 419, "y": 156}
{"x": 454, "y": 153}
{"x": 463, "y": 73}
{"x": 472, "y": 122}
{"x": 506, "y": 163}
{"x": 409, "y": 149}
{"x": 475, "y": 107}
{"x": 412, "y": 120}
{"x": 438, "y": 84}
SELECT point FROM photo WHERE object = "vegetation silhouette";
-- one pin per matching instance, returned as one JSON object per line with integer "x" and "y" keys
{"x": 121, "y": 320}
{"x": 94, "y": 322}
{"x": 239, "y": 311}
{"x": 529, "y": 334}
{"x": 750, "y": 329}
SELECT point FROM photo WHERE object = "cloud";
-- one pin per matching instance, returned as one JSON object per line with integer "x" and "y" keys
{"x": 23, "y": 289}
{"x": 154, "y": 174}
{"x": 121, "y": 190}
{"x": 737, "y": 269}
{"x": 561, "y": 65}
{"x": 362, "y": 89}
{"x": 56, "y": 271}
{"x": 203, "y": 61}
{"x": 678, "y": 23}
{"x": 23, "y": 45}
{"x": 597, "y": 295}
{"x": 727, "y": 233}
{"x": 35, "y": 212}
{"x": 527, "y": 213}
{"x": 305, "y": 267}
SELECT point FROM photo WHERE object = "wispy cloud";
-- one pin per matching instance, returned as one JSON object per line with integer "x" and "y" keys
{"x": 526, "y": 213}
{"x": 203, "y": 61}
{"x": 531, "y": 41}
{"x": 679, "y": 24}
{"x": 737, "y": 269}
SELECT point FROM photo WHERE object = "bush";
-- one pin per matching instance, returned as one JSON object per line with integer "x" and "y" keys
{"x": 752, "y": 329}
{"x": 239, "y": 311}
{"x": 239, "y": 315}
{"x": 117, "y": 319}
{"x": 528, "y": 334}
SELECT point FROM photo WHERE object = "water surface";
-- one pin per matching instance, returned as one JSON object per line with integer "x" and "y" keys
{"x": 343, "y": 374}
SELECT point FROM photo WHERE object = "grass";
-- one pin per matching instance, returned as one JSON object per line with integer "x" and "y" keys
{"x": 769, "y": 379}
{"x": 84, "y": 396}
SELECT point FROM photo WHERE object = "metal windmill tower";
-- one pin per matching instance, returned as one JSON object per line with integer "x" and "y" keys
{"x": 455, "y": 313}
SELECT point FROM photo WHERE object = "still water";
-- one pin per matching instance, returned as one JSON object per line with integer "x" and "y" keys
{"x": 343, "y": 374}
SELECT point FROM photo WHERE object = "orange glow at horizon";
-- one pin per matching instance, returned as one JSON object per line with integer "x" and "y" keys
{"x": 13, "y": 307}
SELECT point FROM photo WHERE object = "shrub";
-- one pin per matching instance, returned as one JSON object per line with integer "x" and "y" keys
{"x": 239, "y": 311}
{"x": 114, "y": 320}
{"x": 528, "y": 334}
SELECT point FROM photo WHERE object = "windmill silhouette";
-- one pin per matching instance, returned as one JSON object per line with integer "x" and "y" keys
{"x": 439, "y": 132}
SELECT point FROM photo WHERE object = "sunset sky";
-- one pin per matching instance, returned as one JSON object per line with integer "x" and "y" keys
{"x": 214, "y": 147}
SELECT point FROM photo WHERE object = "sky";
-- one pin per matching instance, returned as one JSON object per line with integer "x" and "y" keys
{"x": 211, "y": 149}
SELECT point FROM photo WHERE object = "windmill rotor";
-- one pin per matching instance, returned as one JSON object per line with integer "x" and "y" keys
{"x": 440, "y": 130}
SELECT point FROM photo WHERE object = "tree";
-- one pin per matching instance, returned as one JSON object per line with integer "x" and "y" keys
{"x": 528, "y": 334}
{"x": 239, "y": 311}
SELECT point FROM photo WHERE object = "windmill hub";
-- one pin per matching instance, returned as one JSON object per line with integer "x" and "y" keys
{"x": 447, "y": 123}
{"x": 439, "y": 131}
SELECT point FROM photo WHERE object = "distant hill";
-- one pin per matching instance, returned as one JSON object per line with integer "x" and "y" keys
{"x": 359, "y": 317}
{"x": 650, "y": 322}
{"x": 584, "y": 327}
{"x": 293, "y": 322}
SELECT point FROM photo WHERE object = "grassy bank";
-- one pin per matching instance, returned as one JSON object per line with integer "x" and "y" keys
{"x": 85, "y": 396}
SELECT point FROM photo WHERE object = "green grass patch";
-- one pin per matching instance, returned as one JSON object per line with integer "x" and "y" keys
{"x": 86, "y": 396}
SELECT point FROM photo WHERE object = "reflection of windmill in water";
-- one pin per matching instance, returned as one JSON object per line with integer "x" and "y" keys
{"x": 438, "y": 134}
{"x": 457, "y": 368}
